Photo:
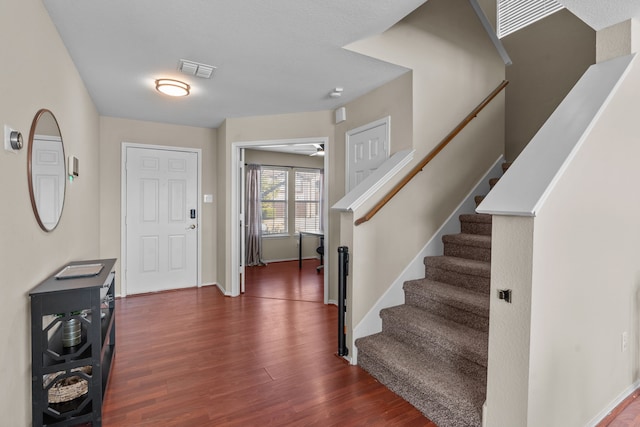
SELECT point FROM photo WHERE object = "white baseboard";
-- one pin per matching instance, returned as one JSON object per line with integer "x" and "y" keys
{"x": 484, "y": 414}
{"x": 618, "y": 400}
{"x": 371, "y": 322}
{"x": 222, "y": 290}
{"x": 202, "y": 285}
{"x": 217, "y": 285}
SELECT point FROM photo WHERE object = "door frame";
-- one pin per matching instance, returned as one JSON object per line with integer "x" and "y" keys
{"x": 123, "y": 207}
{"x": 348, "y": 134}
{"x": 235, "y": 194}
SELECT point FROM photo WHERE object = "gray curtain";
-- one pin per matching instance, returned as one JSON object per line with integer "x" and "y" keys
{"x": 253, "y": 216}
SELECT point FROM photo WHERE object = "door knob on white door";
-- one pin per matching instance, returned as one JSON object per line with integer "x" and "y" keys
{"x": 191, "y": 227}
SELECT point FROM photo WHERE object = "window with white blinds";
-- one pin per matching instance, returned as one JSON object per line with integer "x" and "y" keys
{"x": 273, "y": 199}
{"x": 307, "y": 200}
{"x": 516, "y": 14}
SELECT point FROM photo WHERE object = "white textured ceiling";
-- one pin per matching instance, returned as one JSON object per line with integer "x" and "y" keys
{"x": 272, "y": 56}
{"x": 600, "y": 14}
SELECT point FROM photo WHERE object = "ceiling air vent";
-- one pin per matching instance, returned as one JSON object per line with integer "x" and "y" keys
{"x": 196, "y": 69}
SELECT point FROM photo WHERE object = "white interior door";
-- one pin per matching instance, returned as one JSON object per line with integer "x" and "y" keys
{"x": 161, "y": 219}
{"x": 367, "y": 149}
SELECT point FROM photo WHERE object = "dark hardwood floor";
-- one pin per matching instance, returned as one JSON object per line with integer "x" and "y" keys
{"x": 196, "y": 358}
{"x": 284, "y": 280}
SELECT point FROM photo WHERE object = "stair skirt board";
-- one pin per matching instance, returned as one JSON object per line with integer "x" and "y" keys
{"x": 371, "y": 323}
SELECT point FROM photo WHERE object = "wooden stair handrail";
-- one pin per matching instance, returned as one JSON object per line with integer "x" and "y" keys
{"x": 418, "y": 168}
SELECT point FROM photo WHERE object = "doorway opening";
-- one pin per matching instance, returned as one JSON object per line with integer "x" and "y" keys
{"x": 238, "y": 209}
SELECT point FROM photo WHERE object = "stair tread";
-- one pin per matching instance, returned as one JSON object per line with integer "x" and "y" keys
{"x": 476, "y": 240}
{"x": 452, "y": 336}
{"x": 461, "y": 265}
{"x": 445, "y": 383}
{"x": 476, "y": 217}
{"x": 433, "y": 350}
{"x": 475, "y": 302}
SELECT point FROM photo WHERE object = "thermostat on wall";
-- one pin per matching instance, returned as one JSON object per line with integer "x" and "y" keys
{"x": 73, "y": 166}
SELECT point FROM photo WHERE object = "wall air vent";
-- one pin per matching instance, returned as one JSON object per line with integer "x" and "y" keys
{"x": 196, "y": 69}
{"x": 516, "y": 14}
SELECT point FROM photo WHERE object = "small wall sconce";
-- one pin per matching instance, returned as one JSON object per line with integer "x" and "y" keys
{"x": 73, "y": 167}
{"x": 172, "y": 87}
{"x": 15, "y": 138}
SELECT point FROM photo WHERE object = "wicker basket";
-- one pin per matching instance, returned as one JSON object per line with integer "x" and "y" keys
{"x": 68, "y": 388}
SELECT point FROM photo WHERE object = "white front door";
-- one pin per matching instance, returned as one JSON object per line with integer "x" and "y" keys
{"x": 367, "y": 149}
{"x": 161, "y": 219}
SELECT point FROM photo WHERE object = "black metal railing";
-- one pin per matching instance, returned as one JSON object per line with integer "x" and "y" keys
{"x": 343, "y": 272}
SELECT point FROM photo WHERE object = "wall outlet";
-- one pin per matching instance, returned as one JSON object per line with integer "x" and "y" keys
{"x": 625, "y": 341}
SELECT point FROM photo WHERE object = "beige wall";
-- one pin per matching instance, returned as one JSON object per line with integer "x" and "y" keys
{"x": 455, "y": 66}
{"x": 582, "y": 264}
{"x": 618, "y": 40}
{"x": 393, "y": 99}
{"x": 223, "y": 255}
{"x": 548, "y": 57}
{"x": 586, "y": 275}
{"x": 37, "y": 72}
{"x": 490, "y": 9}
{"x": 509, "y": 329}
{"x": 262, "y": 128}
{"x": 113, "y": 132}
{"x": 280, "y": 248}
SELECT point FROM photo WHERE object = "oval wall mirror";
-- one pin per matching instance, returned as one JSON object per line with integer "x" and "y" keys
{"x": 46, "y": 169}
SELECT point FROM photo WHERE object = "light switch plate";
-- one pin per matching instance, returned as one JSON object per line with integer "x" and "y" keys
{"x": 208, "y": 198}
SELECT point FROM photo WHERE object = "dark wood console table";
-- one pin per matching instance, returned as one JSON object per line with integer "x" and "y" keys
{"x": 73, "y": 338}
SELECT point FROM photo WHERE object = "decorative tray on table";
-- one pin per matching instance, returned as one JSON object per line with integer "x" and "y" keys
{"x": 79, "y": 270}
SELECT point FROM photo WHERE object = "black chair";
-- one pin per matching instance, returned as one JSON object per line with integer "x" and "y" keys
{"x": 320, "y": 251}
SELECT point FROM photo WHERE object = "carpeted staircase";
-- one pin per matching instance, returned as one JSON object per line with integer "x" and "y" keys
{"x": 432, "y": 350}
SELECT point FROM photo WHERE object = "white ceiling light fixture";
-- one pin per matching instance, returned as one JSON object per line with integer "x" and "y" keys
{"x": 172, "y": 87}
